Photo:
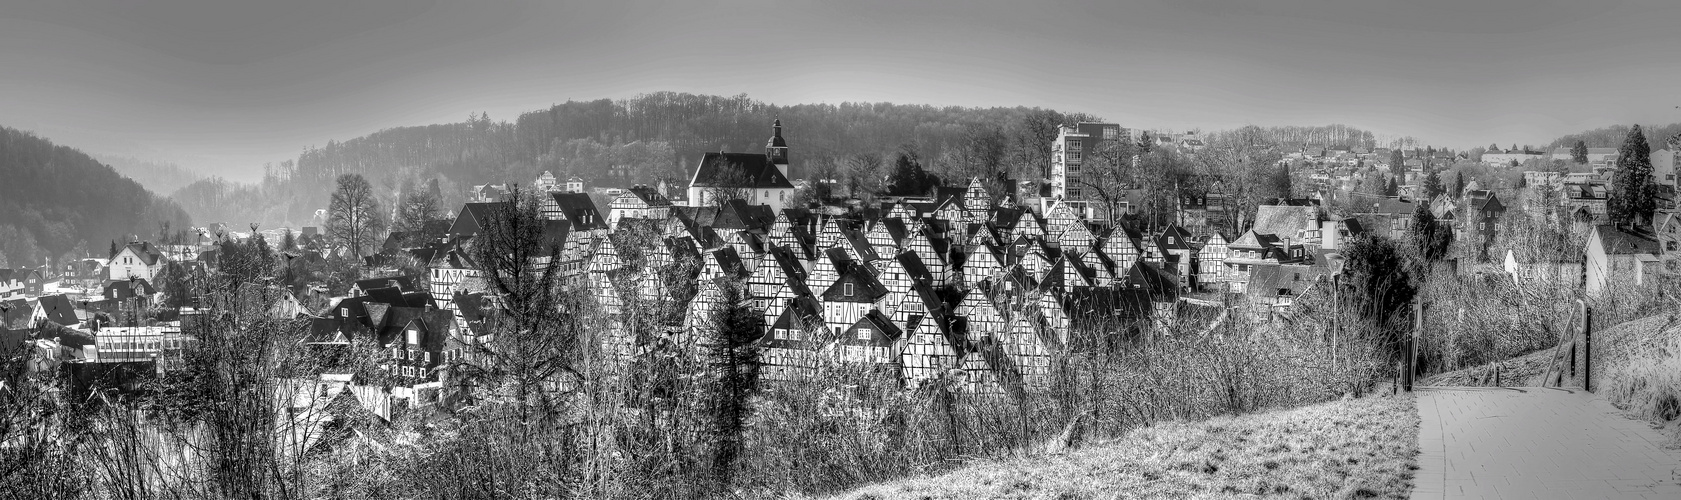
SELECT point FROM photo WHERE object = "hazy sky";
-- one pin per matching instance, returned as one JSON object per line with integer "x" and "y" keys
{"x": 225, "y": 85}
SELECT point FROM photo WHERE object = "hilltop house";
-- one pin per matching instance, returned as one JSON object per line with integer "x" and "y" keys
{"x": 641, "y": 202}
{"x": 137, "y": 260}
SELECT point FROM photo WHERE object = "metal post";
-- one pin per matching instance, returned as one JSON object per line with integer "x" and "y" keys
{"x": 1411, "y": 352}
{"x": 1587, "y": 346}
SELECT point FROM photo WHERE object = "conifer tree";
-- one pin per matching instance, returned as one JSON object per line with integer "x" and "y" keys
{"x": 1579, "y": 152}
{"x": 1632, "y": 197}
{"x": 1393, "y": 188}
{"x": 1458, "y": 184}
{"x": 1432, "y": 185}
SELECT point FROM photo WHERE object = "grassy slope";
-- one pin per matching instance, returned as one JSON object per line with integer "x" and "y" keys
{"x": 1353, "y": 448}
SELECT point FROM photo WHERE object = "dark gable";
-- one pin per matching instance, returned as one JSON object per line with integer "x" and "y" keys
{"x": 756, "y": 169}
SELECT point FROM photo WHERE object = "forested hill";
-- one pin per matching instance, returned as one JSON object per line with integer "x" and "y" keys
{"x": 158, "y": 176}
{"x": 56, "y": 200}
{"x": 1610, "y": 137}
{"x": 621, "y": 142}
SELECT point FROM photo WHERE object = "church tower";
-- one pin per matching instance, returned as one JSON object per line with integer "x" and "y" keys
{"x": 777, "y": 149}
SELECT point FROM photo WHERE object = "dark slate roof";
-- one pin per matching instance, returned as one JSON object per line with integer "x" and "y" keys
{"x": 123, "y": 289}
{"x": 729, "y": 263}
{"x": 1145, "y": 275}
{"x": 756, "y": 169}
{"x": 59, "y": 309}
{"x": 883, "y": 333}
{"x": 400, "y": 282}
{"x": 1614, "y": 241}
{"x": 737, "y": 214}
{"x": 1181, "y": 238}
{"x": 148, "y": 253}
{"x": 1085, "y": 304}
{"x": 469, "y": 221}
{"x": 650, "y": 196}
{"x": 865, "y": 287}
{"x": 580, "y": 211}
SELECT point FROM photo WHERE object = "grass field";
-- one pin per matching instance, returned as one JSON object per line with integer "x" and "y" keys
{"x": 1356, "y": 448}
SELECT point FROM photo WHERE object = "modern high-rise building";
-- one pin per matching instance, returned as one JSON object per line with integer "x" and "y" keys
{"x": 1068, "y": 155}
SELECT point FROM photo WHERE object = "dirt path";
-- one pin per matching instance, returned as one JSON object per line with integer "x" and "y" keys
{"x": 1484, "y": 442}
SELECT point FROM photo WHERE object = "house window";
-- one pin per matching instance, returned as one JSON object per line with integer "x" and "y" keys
{"x": 846, "y": 289}
{"x": 865, "y": 334}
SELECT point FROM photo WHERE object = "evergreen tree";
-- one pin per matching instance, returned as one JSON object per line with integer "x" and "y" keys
{"x": 1579, "y": 152}
{"x": 1458, "y": 184}
{"x": 1493, "y": 148}
{"x": 1393, "y": 188}
{"x": 113, "y": 250}
{"x": 288, "y": 242}
{"x": 1632, "y": 193}
{"x": 1144, "y": 142}
{"x": 1429, "y": 238}
{"x": 1432, "y": 185}
{"x": 908, "y": 178}
{"x": 1523, "y": 181}
{"x": 1397, "y": 161}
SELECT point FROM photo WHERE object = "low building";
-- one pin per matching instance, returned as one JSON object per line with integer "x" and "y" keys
{"x": 1615, "y": 258}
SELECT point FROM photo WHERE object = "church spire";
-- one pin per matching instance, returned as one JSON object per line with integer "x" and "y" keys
{"x": 777, "y": 148}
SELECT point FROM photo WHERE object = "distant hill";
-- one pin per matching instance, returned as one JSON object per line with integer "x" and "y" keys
{"x": 158, "y": 177}
{"x": 621, "y": 142}
{"x": 1610, "y": 137}
{"x": 56, "y": 200}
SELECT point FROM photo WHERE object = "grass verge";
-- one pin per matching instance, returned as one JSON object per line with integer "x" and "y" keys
{"x": 1355, "y": 448}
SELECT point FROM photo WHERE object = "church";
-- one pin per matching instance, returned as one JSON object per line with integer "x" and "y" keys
{"x": 761, "y": 179}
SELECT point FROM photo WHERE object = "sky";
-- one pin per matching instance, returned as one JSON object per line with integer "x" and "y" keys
{"x": 224, "y": 86}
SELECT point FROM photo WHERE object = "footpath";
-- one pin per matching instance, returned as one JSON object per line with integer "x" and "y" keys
{"x": 1532, "y": 442}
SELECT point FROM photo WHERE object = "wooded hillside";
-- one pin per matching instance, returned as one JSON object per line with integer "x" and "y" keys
{"x": 622, "y": 142}
{"x": 56, "y": 200}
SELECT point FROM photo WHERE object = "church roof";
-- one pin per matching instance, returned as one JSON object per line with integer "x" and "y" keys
{"x": 755, "y": 171}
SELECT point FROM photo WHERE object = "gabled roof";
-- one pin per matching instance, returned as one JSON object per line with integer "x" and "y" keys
{"x": 1180, "y": 238}
{"x": 883, "y": 331}
{"x": 649, "y": 196}
{"x": 1286, "y": 221}
{"x": 729, "y": 263}
{"x": 756, "y": 171}
{"x": 737, "y": 214}
{"x": 59, "y": 309}
{"x": 148, "y": 254}
{"x": 579, "y": 210}
{"x": 865, "y": 287}
{"x": 399, "y": 282}
{"x": 1096, "y": 304}
{"x": 1615, "y": 241}
{"x": 469, "y": 221}
{"x": 123, "y": 289}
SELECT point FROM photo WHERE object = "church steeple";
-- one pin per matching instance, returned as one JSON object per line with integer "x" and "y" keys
{"x": 777, "y": 148}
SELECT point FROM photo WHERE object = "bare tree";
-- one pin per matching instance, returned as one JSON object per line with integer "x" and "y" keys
{"x": 729, "y": 182}
{"x": 353, "y": 216}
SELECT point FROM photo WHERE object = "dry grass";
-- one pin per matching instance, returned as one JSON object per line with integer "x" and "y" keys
{"x": 1523, "y": 371}
{"x": 1355, "y": 448}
